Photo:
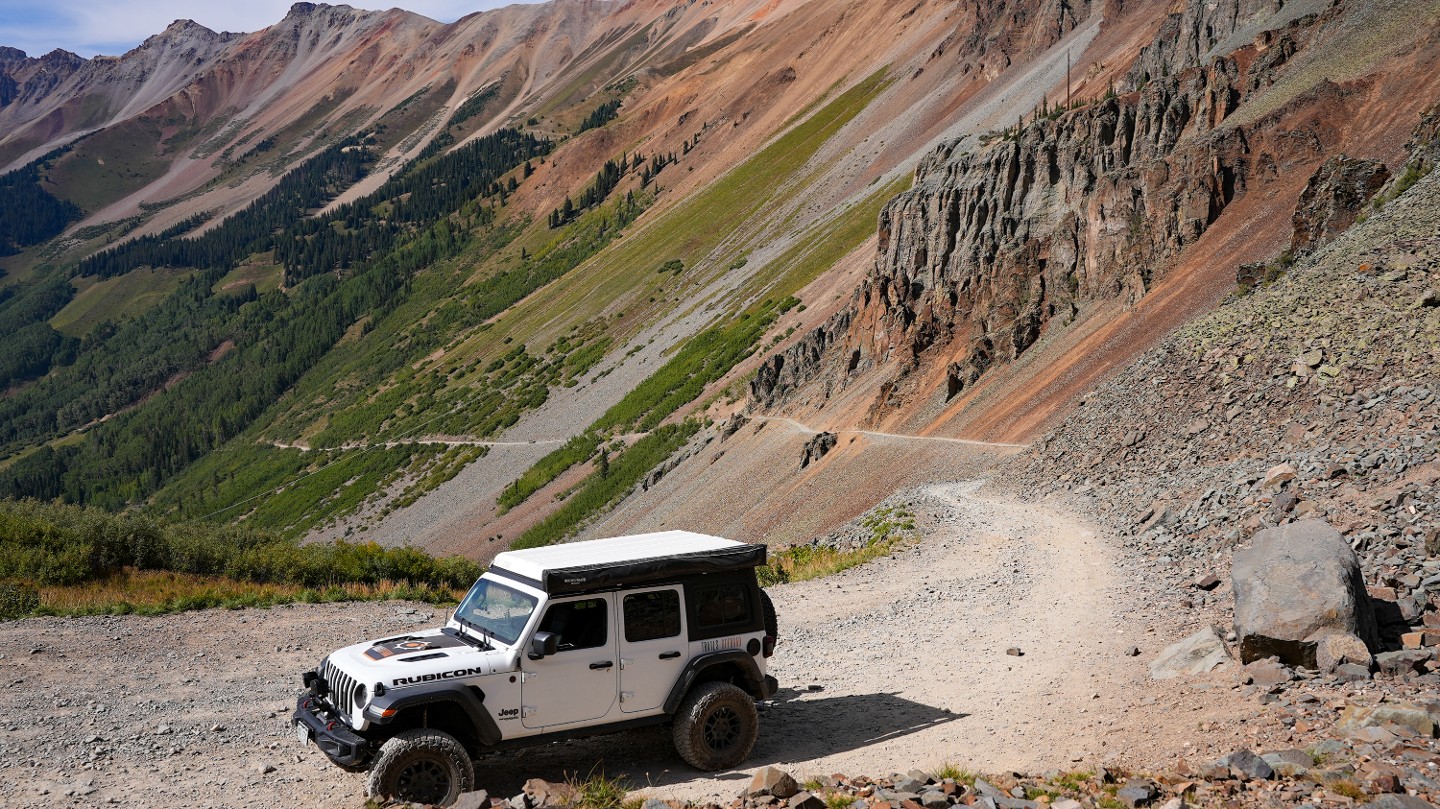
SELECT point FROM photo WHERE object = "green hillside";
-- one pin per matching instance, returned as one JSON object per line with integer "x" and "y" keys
{"x": 285, "y": 368}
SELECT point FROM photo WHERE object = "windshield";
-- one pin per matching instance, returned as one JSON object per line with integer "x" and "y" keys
{"x": 497, "y": 609}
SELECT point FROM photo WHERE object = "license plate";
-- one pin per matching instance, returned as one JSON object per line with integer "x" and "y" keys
{"x": 302, "y": 733}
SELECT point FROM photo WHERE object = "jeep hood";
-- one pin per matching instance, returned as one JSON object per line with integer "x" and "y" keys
{"x": 417, "y": 654}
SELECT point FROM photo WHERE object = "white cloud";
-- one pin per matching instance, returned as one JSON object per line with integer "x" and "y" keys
{"x": 88, "y": 27}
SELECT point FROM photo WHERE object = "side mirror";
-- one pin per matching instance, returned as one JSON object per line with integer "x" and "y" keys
{"x": 543, "y": 644}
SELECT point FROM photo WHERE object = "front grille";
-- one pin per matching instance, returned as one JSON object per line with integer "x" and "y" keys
{"x": 344, "y": 693}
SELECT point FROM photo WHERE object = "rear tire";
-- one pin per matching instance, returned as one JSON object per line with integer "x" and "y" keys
{"x": 716, "y": 726}
{"x": 422, "y": 766}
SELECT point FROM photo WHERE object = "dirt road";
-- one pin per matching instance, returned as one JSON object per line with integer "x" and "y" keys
{"x": 896, "y": 664}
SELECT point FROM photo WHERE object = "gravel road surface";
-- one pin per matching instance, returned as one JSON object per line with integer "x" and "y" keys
{"x": 899, "y": 663}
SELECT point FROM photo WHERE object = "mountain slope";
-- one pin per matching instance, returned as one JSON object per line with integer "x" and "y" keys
{"x": 469, "y": 284}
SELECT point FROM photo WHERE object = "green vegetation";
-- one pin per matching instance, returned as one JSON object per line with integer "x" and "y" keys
{"x": 32, "y": 346}
{"x": 577, "y": 450}
{"x": 595, "y": 791}
{"x": 475, "y": 105}
{"x": 606, "y": 181}
{"x": 115, "y": 299}
{"x": 1346, "y": 787}
{"x": 277, "y": 338}
{"x": 180, "y": 402}
{"x": 601, "y": 115}
{"x": 52, "y": 545}
{"x": 703, "y": 359}
{"x": 711, "y": 354}
{"x": 28, "y": 213}
{"x": 825, "y": 243}
{"x": 1414, "y": 172}
{"x": 889, "y": 528}
{"x": 17, "y": 599}
{"x": 112, "y": 163}
{"x": 957, "y": 774}
{"x": 313, "y": 183}
{"x": 600, "y": 492}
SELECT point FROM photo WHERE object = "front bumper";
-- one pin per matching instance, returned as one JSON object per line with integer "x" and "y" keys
{"x": 334, "y": 738}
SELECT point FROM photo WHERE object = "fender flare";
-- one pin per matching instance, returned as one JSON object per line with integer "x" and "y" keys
{"x": 469, "y": 699}
{"x": 755, "y": 682}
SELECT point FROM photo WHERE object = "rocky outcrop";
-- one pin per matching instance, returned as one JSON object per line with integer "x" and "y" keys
{"x": 816, "y": 448}
{"x": 1188, "y": 37}
{"x": 1334, "y": 197}
{"x": 992, "y": 244}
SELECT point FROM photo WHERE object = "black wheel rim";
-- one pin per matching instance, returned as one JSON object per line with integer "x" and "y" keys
{"x": 722, "y": 729}
{"x": 423, "y": 781}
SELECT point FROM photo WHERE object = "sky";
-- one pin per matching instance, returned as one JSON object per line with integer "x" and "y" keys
{"x": 112, "y": 27}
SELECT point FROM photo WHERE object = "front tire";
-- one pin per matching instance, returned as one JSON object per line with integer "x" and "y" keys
{"x": 716, "y": 726}
{"x": 422, "y": 766}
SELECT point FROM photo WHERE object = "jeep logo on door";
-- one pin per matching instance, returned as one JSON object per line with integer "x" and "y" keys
{"x": 430, "y": 678}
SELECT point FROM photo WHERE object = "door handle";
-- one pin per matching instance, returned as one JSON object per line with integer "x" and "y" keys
{"x": 669, "y": 655}
{"x": 607, "y": 664}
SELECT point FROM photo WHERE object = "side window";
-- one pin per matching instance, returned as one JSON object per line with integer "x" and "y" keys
{"x": 580, "y": 624}
{"x": 652, "y": 615}
{"x": 722, "y": 605}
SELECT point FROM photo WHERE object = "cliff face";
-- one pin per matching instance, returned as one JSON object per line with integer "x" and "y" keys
{"x": 993, "y": 244}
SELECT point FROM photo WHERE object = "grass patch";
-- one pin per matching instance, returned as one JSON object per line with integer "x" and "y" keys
{"x": 1346, "y": 788}
{"x": 110, "y": 164}
{"x": 889, "y": 528}
{"x": 115, "y": 299}
{"x": 265, "y": 277}
{"x": 703, "y": 359}
{"x": 1414, "y": 172}
{"x": 577, "y": 450}
{"x": 595, "y": 791}
{"x": 957, "y": 774}
{"x": 1073, "y": 782}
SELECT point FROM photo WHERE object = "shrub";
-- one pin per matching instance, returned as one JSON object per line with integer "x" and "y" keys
{"x": 17, "y": 600}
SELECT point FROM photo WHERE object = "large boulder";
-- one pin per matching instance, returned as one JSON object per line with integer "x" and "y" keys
{"x": 1294, "y": 585}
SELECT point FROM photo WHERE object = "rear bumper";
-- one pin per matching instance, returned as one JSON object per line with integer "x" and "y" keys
{"x": 334, "y": 738}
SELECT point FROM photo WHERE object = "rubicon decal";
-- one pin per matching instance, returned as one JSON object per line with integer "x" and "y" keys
{"x": 430, "y": 678}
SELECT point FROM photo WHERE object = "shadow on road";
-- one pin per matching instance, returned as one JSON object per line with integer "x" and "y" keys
{"x": 795, "y": 726}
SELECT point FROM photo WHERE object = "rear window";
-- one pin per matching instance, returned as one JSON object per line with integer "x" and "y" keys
{"x": 722, "y": 605}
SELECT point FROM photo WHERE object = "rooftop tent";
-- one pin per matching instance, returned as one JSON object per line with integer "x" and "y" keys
{"x": 603, "y": 563}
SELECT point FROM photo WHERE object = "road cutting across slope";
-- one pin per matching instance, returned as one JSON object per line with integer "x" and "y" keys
{"x": 891, "y": 436}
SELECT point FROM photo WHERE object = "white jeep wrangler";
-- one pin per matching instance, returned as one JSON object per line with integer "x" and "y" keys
{"x": 556, "y": 642}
